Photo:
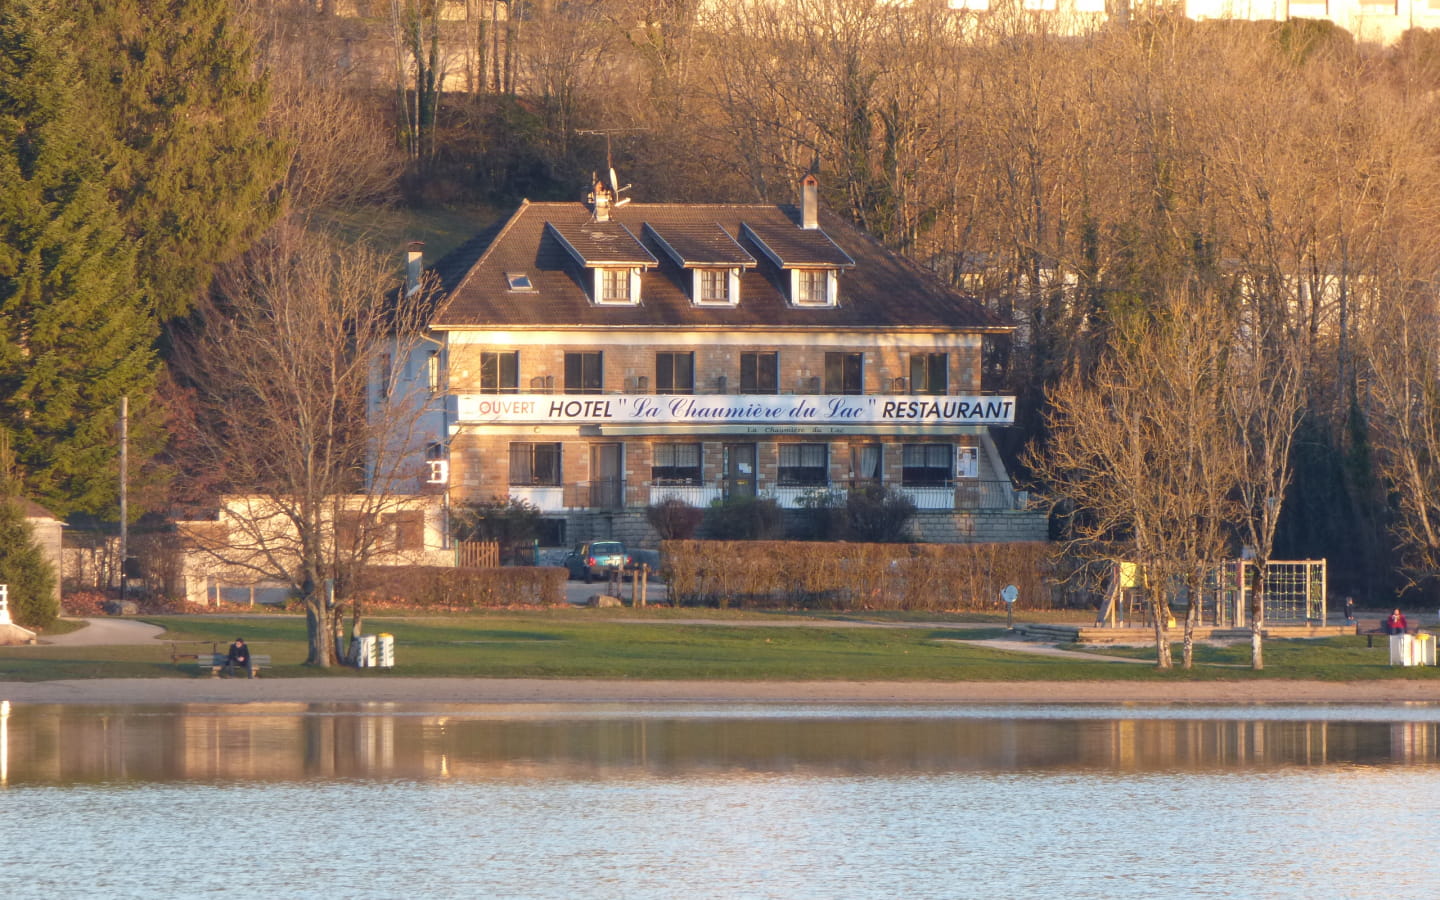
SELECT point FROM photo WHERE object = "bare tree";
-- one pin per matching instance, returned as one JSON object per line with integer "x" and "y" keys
{"x": 1264, "y": 401}
{"x": 1143, "y": 457}
{"x": 1405, "y": 409}
{"x": 305, "y": 412}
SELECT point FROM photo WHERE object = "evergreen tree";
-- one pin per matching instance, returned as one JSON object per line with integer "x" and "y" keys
{"x": 29, "y": 578}
{"x": 197, "y": 176}
{"x": 76, "y": 333}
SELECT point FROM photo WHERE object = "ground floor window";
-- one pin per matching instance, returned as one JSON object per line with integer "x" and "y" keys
{"x": 534, "y": 464}
{"x": 803, "y": 465}
{"x": 675, "y": 464}
{"x": 866, "y": 462}
{"x": 926, "y": 465}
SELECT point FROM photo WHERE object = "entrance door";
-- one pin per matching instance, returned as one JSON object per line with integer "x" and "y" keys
{"x": 607, "y": 485}
{"x": 739, "y": 470}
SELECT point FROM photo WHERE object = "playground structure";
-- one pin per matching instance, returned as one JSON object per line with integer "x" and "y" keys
{"x": 1292, "y": 593}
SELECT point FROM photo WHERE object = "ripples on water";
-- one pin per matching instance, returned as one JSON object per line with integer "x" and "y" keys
{"x": 705, "y": 801}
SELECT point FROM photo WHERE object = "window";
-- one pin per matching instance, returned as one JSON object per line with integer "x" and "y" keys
{"x": 583, "y": 373}
{"x": 760, "y": 373}
{"x": 432, "y": 371}
{"x": 929, "y": 373}
{"x": 534, "y": 464}
{"x": 387, "y": 374}
{"x": 518, "y": 281}
{"x": 500, "y": 372}
{"x": 865, "y": 462}
{"x": 802, "y": 465}
{"x": 926, "y": 465}
{"x": 844, "y": 373}
{"x": 674, "y": 373}
{"x": 812, "y": 286}
{"x": 714, "y": 285}
{"x": 353, "y": 529}
{"x": 407, "y": 529}
{"x": 614, "y": 285}
{"x": 675, "y": 464}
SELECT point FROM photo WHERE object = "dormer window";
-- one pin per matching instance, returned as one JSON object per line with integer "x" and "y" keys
{"x": 617, "y": 285}
{"x": 710, "y": 260}
{"x": 714, "y": 285}
{"x": 809, "y": 262}
{"x": 610, "y": 259}
{"x": 717, "y": 286}
{"x": 811, "y": 287}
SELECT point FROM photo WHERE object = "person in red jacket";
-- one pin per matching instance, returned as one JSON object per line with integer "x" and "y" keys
{"x": 1396, "y": 624}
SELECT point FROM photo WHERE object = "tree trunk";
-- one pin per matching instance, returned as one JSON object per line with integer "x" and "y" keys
{"x": 319, "y": 626}
{"x": 1162, "y": 636}
{"x": 1257, "y": 628}
{"x": 1191, "y": 615}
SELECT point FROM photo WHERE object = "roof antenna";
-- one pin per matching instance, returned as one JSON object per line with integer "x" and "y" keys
{"x": 604, "y": 198}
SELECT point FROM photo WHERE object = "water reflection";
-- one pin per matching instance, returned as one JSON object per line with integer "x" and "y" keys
{"x": 317, "y": 742}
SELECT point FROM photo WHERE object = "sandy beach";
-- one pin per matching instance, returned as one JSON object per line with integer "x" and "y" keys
{"x": 382, "y": 688}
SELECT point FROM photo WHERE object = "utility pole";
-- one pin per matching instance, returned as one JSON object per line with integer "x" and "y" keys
{"x": 124, "y": 493}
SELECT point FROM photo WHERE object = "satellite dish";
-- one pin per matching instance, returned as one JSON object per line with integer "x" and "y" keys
{"x": 1009, "y": 593}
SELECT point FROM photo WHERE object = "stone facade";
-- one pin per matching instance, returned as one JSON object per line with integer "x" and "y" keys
{"x": 585, "y": 372}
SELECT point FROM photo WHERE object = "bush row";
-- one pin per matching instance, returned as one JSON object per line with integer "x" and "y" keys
{"x": 787, "y": 574}
{"x": 457, "y": 590}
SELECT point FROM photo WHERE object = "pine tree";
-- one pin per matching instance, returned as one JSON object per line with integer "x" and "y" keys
{"x": 30, "y": 580}
{"x": 76, "y": 332}
{"x": 196, "y": 174}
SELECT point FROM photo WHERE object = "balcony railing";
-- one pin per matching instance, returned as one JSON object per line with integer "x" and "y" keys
{"x": 697, "y": 495}
{"x": 545, "y": 497}
{"x": 616, "y": 493}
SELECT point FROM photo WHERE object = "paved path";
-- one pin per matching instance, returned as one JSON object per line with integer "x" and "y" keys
{"x": 1049, "y": 650}
{"x": 107, "y": 631}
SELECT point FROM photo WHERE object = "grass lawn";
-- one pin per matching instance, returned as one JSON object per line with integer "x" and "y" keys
{"x": 690, "y": 644}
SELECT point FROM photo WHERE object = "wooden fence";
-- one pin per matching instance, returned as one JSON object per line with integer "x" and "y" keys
{"x": 477, "y": 554}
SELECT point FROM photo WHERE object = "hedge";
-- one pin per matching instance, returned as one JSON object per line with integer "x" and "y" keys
{"x": 460, "y": 589}
{"x": 806, "y": 575}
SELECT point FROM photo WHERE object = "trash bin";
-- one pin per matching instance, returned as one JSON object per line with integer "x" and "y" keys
{"x": 363, "y": 649}
{"x": 1425, "y": 649}
{"x": 1412, "y": 650}
{"x": 385, "y": 651}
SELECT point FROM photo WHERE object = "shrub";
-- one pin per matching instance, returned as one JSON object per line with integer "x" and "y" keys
{"x": 512, "y": 523}
{"x": 744, "y": 519}
{"x": 30, "y": 578}
{"x": 674, "y": 519}
{"x": 878, "y": 514}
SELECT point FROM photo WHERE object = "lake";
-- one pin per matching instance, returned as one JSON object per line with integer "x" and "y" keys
{"x": 699, "y": 801}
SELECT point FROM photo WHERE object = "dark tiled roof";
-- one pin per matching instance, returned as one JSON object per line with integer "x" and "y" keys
{"x": 699, "y": 245}
{"x": 602, "y": 243}
{"x": 882, "y": 290}
{"x": 791, "y": 247}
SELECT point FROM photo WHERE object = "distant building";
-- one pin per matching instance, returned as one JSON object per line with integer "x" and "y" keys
{"x": 596, "y": 358}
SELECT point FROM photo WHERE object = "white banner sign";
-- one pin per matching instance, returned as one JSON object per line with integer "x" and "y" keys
{"x": 734, "y": 409}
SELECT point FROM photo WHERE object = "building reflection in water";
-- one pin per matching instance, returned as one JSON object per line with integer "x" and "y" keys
{"x": 309, "y": 742}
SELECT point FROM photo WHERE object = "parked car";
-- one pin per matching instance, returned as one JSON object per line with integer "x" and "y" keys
{"x": 594, "y": 559}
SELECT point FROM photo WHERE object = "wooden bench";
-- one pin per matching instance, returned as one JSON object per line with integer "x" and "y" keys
{"x": 1371, "y": 627}
{"x": 216, "y": 661}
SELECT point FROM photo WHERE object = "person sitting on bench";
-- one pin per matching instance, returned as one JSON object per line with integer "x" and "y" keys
{"x": 1396, "y": 624}
{"x": 239, "y": 655}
